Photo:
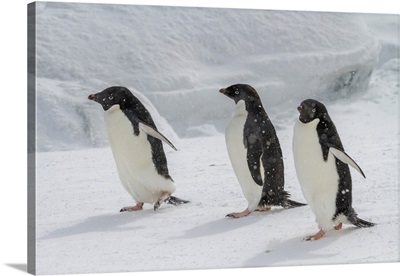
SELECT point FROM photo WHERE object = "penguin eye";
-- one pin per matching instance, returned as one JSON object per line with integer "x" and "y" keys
{"x": 110, "y": 97}
{"x": 237, "y": 92}
{"x": 313, "y": 110}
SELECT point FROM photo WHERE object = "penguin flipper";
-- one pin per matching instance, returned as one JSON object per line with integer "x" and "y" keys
{"x": 345, "y": 158}
{"x": 153, "y": 132}
{"x": 148, "y": 129}
{"x": 254, "y": 152}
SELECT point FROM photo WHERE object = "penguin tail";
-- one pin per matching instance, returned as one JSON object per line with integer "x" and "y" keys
{"x": 281, "y": 200}
{"x": 288, "y": 204}
{"x": 360, "y": 222}
{"x": 173, "y": 200}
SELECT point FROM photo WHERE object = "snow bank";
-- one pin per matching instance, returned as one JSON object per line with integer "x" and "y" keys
{"x": 69, "y": 120}
{"x": 180, "y": 57}
{"x": 203, "y": 130}
{"x": 386, "y": 29}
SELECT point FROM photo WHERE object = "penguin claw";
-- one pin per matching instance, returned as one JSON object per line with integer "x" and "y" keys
{"x": 315, "y": 237}
{"x": 238, "y": 215}
{"x": 137, "y": 207}
{"x": 164, "y": 196}
{"x": 157, "y": 205}
{"x": 231, "y": 216}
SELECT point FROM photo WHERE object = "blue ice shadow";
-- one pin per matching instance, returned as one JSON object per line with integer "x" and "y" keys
{"x": 225, "y": 224}
{"x": 102, "y": 223}
{"x": 296, "y": 250}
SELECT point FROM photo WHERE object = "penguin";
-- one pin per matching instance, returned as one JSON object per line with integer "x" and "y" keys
{"x": 322, "y": 168}
{"x": 255, "y": 153}
{"x": 137, "y": 149}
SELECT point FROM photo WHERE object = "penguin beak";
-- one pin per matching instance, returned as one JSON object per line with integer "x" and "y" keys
{"x": 300, "y": 108}
{"x": 92, "y": 97}
{"x": 99, "y": 99}
{"x": 222, "y": 91}
{"x": 95, "y": 98}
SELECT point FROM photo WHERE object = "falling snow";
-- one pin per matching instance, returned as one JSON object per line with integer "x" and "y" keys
{"x": 79, "y": 226}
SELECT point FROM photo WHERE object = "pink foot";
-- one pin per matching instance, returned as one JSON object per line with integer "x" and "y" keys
{"x": 263, "y": 209}
{"x": 239, "y": 215}
{"x": 137, "y": 207}
{"x": 339, "y": 226}
{"x": 317, "y": 236}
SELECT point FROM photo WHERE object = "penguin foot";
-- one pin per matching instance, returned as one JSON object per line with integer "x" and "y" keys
{"x": 263, "y": 209}
{"x": 339, "y": 226}
{"x": 317, "y": 236}
{"x": 164, "y": 196}
{"x": 239, "y": 214}
{"x": 137, "y": 207}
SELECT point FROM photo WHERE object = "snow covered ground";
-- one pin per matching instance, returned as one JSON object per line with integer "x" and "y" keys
{"x": 79, "y": 227}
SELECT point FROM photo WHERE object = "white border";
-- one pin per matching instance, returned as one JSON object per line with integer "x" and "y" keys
{"x": 13, "y": 88}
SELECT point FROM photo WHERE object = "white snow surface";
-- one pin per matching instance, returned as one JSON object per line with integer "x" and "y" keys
{"x": 79, "y": 228}
{"x": 85, "y": 48}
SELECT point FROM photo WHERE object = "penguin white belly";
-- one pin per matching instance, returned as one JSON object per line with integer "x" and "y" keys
{"x": 238, "y": 156}
{"x": 318, "y": 179}
{"x": 132, "y": 155}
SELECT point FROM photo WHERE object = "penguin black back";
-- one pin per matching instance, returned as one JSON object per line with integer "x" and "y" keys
{"x": 329, "y": 138}
{"x": 137, "y": 113}
{"x": 262, "y": 145}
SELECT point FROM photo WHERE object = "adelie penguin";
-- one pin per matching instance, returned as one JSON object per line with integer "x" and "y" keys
{"x": 255, "y": 153}
{"x": 137, "y": 149}
{"x": 322, "y": 169}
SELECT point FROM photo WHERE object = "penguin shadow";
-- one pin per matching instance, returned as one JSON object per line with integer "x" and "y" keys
{"x": 103, "y": 223}
{"x": 219, "y": 226}
{"x": 297, "y": 249}
{"x": 225, "y": 224}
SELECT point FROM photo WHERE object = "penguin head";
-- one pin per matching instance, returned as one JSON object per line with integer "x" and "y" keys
{"x": 239, "y": 92}
{"x": 111, "y": 96}
{"x": 310, "y": 110}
